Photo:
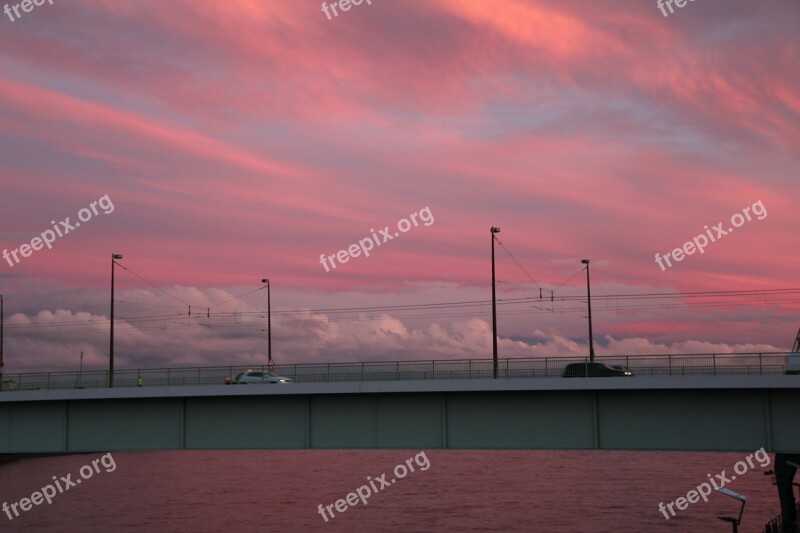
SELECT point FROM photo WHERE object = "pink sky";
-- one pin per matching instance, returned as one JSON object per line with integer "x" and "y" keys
{"x": 242, "y": 139}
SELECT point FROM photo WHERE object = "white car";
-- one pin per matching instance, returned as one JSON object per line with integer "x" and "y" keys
{"x": 259, "y": 377}
{"x": 792, "y": 364}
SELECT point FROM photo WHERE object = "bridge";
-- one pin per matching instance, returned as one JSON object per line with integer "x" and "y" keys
{"x": 701, "y": 402}
{"x": 714, "y": 402}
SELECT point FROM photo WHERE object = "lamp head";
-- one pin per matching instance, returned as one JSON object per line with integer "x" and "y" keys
{"x": 265, "y": 280}
{"x": 585, "y": 261}
{"x": 495, "y": 230}
{"x": 116, "y": 256}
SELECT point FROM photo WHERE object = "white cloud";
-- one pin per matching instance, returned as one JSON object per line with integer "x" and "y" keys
{"x": 305, "y": 336}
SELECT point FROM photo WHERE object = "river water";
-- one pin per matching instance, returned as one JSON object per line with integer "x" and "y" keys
{"x": 460, "y": 491}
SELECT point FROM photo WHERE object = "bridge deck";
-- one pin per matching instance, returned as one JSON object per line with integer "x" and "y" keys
{"x": 713, "y": 413}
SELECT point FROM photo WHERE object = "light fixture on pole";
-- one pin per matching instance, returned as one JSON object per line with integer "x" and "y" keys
{"x": 589, "y": 300}
{"x": 494, "y": 230}
{"x": 270, "y": 364}
{"x": 731, "y": 519}
{"x": 114, "y": 257}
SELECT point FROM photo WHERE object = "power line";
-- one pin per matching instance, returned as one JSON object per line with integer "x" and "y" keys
{"x": 25, "y": 330}
{"x": 569, "y": 278}
{"x": 153, "y": 284}
{"x": 238, "y": 297}
{"x": 515, "y": 260}
{"x": 125, "y": 326}
{"x": 449, "y": 305}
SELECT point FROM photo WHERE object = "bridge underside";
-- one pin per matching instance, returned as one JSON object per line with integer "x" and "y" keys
{"x": 286, "y": 417}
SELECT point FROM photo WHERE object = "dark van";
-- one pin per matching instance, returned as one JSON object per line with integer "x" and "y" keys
{"x": 593, "y": 370}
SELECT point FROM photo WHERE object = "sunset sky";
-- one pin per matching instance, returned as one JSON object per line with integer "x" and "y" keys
{"x": 241, "y": 139}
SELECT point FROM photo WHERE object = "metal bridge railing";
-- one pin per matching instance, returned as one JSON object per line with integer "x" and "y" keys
{"x": 540, "y": 367}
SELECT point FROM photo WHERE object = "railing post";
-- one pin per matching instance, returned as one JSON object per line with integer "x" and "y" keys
{"x": 730, "y": 364}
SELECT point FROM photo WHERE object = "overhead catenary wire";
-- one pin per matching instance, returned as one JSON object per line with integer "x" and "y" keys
{"x": 404, "y": 312}
{"x": 238, "y": 297}
{"x": 153, "y": 284}
{"x": 296, "y": 316}
{"x": 315, "y": 321}
{"x": 569, "y": 279}
{"x": 463, "y": 303}
{"x": 453, "y": 304}
{"x": 506, "y": 250}
{"x": 189, "y": 306}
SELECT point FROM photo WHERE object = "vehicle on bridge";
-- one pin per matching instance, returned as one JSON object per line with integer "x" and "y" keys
{"x": 243, "y": 378}
{"x": 792, "y": 363}
{"x": 593, "y": 370}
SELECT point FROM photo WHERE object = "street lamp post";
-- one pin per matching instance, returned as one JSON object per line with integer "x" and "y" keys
{"x": 114, "y": 257}
{"x": 589, "y": 300}
{"x": 494, "y": 230}
{"x": 734, "y": 521}
{"x": 270, "y": 365}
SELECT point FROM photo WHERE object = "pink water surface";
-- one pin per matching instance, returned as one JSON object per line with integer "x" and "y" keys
{"x": 463, "y": 491}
